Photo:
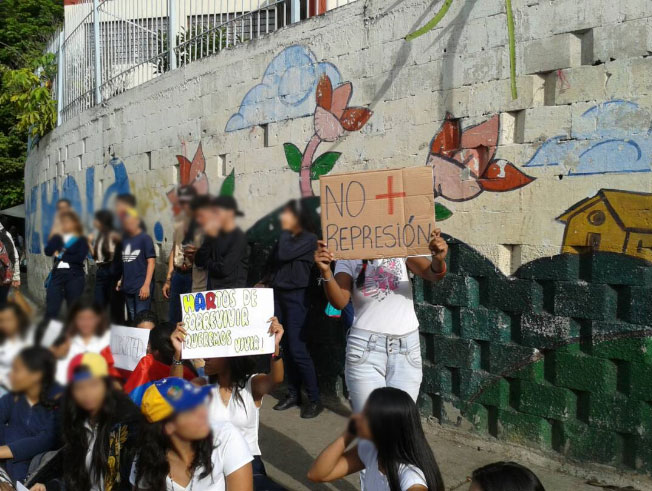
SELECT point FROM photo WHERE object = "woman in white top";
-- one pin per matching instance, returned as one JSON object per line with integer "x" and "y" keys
{"x": 14, "y": 336}
{"x": 392, "y": 448}
{"x": 237, "y": 394}
{"x": 383, "y": 344}
{"x": 87, "y": 329}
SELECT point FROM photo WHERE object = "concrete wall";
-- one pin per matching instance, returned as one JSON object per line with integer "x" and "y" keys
{"x": 563, "y": 168}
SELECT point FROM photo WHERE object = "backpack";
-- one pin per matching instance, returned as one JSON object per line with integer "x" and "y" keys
{"x": 6, "y": 258}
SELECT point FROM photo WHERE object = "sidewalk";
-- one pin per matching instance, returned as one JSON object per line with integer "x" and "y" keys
{"x": 289, "y": 445}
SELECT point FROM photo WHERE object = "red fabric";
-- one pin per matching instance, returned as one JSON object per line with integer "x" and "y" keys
{"x": 114, "y": 372}
{"x": 149, "y": 370}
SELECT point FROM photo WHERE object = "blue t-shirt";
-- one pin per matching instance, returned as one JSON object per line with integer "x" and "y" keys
{"x": 136, "y": 251}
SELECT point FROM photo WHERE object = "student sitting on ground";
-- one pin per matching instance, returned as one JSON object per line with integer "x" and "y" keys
{"x": 27, "y": 415}
{"x": 14, "y": 336}
{"x": 178, "y": 448}
{"x": 505, "y": 476}
{"x": 392, "y": 447}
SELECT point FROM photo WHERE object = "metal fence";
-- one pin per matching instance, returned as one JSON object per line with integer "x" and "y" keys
{"x": 108, "y": 46}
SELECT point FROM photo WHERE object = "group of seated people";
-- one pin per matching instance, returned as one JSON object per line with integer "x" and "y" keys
{"x": 72, "y": 421}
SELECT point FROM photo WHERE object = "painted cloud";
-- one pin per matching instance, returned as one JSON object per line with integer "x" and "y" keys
{"x": 613, "y": 137}
{"x": 287, "y": 90}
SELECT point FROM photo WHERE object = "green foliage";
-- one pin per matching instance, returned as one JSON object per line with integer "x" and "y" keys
{"x": 293, "y": 156}
{"x": 323, "y": 164}
{"x": 228, "y": 186}
{"x": 441, "y": 212}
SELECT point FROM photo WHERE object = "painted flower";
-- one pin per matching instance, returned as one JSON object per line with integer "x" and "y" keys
{"x": 190, "y": 173}
{"x": 463, "y": 162}
{"x": 333, "y": 116}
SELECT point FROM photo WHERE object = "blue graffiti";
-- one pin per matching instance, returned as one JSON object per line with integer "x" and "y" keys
{"x": 613, "y": 137}
{"x": 32, "y": 236}
{"x": 287, "y": 90}
{"x": 120, "y": 181}
{"x": 48, "y": 208}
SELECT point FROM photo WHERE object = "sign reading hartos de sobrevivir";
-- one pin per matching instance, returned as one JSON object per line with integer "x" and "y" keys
{"x": 227, "y": 322}
{"x": 388, "y": 213}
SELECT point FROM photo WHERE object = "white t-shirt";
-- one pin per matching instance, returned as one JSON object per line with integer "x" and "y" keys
{"x": 77, "y": 346}
{"x": 408, "y": 475}
{"x": 230, "y": 453}
{"x": 384, "y": 304}
{"x": 244, "y": 415}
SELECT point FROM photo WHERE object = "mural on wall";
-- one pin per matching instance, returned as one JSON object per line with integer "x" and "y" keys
{"x": 611, "y": 221}
{"x": 287, "y": 90}
{"x": 613, "y": 137}
{"x": 190, "y": 174}
{"x": 332, "y": 119}
{"x": 463, "y": 163}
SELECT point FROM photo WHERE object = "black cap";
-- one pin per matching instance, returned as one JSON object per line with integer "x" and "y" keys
{"x": 228, "y": 203}
{"x": 186, "y": 194}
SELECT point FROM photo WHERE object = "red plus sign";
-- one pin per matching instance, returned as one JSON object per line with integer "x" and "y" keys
{"x": 390, "y": 195}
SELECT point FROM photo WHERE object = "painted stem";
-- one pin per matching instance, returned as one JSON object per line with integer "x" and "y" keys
{"x": 433, "y": 22}
{"x": 306, "y": 165}
{"x": 512, "y": 47}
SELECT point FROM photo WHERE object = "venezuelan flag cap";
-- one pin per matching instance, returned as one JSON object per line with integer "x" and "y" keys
{"x": 170, "y": 396}
{"x": 87, "y": 365}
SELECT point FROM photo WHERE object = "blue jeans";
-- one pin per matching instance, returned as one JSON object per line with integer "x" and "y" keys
{"x": 104, "y": 285}
{"x": 179, "y": 283}
{"x": 261, "y": 481}
{"x": 376, "y": 360}
{"x": 65, "y": 284}
{"x": 136, "y": 305}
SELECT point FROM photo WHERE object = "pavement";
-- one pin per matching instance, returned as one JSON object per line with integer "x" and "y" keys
{"x": 289, "y": 445}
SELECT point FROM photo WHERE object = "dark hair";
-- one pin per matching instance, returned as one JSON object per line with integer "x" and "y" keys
{"x": 397, "y": 433}
{"x": 152, "y": 467}
{"x": 105, "y": 219}
{"x": 85, "y": 304}
{"x": 75, "y": 436}
{"x": 300, "y": 209}
{"x": 201, "y": 201}
{"x": 359, "y": 281}
{"x": 506, "y": 476}
{"x": 63, "y": 200}
{"x": 241, "y": 368}
{"x": 159, "y": 341}
{"x": 127, "y": 199}
{"x": 21, "y": 317}
{"x": 146, "y": 316}
{"x": 38, "y": 359}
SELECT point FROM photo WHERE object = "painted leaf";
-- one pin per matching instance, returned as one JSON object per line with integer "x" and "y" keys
{"x": 184, "y": 170}
{"x": 228, "y": 185}
{"x": 293, "y": 156}
{"x": 442, "y": 213}
{"x": 355, "y": 118}
{"x": 325, "y": 93}
{"x": 447, "y": 141}
{"x": 198, "y": 163}
{"x": 503, "y": 176}
{"x": 323, "y": 164}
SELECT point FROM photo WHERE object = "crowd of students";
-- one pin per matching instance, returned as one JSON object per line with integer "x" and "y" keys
{"x": 73, "y": 421}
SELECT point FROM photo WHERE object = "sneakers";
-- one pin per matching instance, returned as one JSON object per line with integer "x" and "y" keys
{"x": 311, "y": 410}
{"x": 287, "y": 403}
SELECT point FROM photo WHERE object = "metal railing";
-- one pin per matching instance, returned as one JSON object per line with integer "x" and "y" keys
{"x": 109, "y": 46}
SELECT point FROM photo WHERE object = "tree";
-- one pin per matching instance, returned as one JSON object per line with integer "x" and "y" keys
{"x": 25, "y": 27}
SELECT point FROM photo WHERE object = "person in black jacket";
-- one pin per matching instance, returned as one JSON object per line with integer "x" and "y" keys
{"x": 70, "y": 249}
{"x": 290, "y": 264}
{"x": 225, "y": 252}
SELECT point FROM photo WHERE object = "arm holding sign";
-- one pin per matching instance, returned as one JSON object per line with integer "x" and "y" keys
{"x": 177, "y": 337}
{"x": 264, "y": 383}
{"x": 337, "y": 288}
{"x": 435, "y": 269}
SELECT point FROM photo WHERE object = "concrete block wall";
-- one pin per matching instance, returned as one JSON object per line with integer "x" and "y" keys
{"x": 527, "y": 186}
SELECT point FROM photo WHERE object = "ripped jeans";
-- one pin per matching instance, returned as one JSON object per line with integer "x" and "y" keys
{"x": 376, "y": 360}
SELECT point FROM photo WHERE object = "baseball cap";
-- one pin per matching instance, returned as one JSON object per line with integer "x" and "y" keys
{"x": 171, "y": 395}
{"x": 185, "y": 194}
{"x": 228, "y": 203}
{"x": 87, "y": 365}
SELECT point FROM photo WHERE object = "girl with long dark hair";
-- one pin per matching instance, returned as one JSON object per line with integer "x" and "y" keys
{"x": 27, "y": 416}
{"x": 383, "y": 348}
{"x": 103, "y": 250}
{"x": 100, "y": 427}
{"x": 181, "y": 450}
{"x": 87, "y": 328}
{"x": 67, "y": 278}
{"x": 505, "y": 476}
{"x": 14, "y": 336}
{"x": 237, "y": 394}
{"x": 392, "y": 449}
{"x": 289, "y": 267}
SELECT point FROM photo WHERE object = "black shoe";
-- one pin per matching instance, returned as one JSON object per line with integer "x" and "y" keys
{"x": 311, "y": 410}
{"x": 287, "y": 403}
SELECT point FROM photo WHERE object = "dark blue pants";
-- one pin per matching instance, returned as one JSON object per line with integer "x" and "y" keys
{"x": 4, "y": 293}
{"x": 261, "y": 481}
{"x": 291, "y": 308}
{"x": 136, "y": 305}
{"x": 104, "y": 286}
{"x": 66, "y": 284}
{"x": 179, "y": 284}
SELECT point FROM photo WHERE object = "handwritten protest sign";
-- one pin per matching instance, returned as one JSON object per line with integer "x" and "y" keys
{"x": 227, "y": 322}
{"x": 128, "y": 345}
{"x": 388, "y": 213}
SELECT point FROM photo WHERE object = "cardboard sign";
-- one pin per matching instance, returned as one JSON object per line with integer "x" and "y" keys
{"x": 388, "y": 213}
{"x": 128, "y": 346}
{"x": 223, "y": 323}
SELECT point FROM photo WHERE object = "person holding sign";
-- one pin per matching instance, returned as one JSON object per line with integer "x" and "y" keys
{"x": 383, "y": 343}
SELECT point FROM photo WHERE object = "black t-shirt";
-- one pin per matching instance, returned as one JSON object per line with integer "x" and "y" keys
{"x": 226, "y": 259}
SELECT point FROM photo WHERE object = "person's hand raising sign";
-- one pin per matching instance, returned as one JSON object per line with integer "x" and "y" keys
{"x": 438, "y": 245}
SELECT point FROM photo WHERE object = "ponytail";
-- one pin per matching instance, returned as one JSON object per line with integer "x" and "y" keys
{"x": 359, "y": 281}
